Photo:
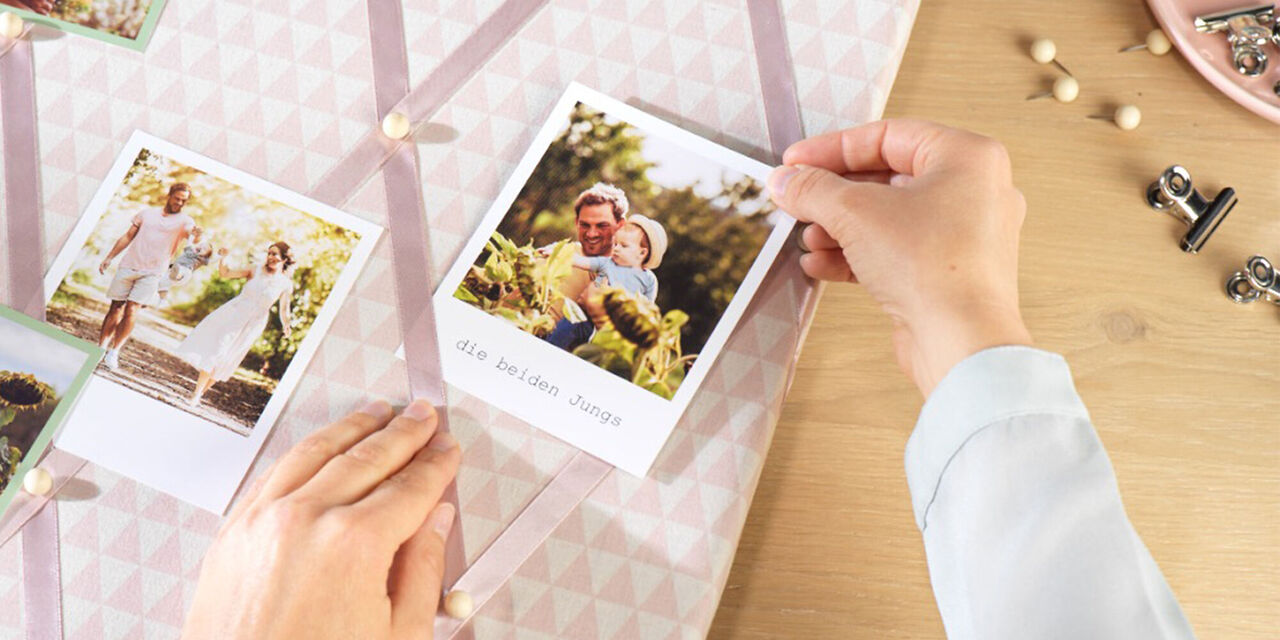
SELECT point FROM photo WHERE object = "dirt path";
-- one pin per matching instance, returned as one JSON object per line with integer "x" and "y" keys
{"x": 147, "y": 366}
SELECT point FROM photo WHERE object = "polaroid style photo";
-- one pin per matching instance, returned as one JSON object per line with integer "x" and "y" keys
{"x": 128, "y": 23}
{"x": 210, "y": 290}
{"x": 606, "y": 278}
{"x": 42, "y": 372}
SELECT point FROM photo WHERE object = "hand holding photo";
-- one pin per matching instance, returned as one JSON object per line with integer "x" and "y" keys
{"x": 209, "y": 290}
{"x": 41, "y": 374}
{"x": 604, "y": 281}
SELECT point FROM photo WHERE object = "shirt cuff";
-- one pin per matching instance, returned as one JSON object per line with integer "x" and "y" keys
{"x": 988, "y": 386}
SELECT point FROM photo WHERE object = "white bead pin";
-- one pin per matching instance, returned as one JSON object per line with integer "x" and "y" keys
{"x": 1157, "y": 44}
{"x": 1127, "y": 117}
{"x": 1044, "y": 51}
{"x": 10, "y": 25}
{"x": 458, "y": 604}
{"x": 37, "y": 482}
{"x": 396, "y": 125}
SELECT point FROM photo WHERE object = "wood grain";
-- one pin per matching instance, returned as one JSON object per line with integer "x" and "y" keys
{"x": 1183, "y": 385}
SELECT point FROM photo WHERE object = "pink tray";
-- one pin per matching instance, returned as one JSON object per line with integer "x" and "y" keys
{"x": 1211, "y": 55}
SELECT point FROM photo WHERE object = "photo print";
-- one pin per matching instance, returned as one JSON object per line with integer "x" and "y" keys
{"x": 605, "y": 279}
{"x": 42, "y": 372}
{"x": 209, "y": 290}
{"x": 127, "y": 23}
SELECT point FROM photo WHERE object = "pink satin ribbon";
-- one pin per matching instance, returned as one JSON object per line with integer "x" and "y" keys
{"x": 579, "y": 477}
{"x": 583, "y": 473}
{"x": 375, "y": 149}
{"x": 410, "y": 247}
{"x": 494, "y": 568}
{"x": 63, "y": 467}
{"x": 782, "y": 116}
{"x": 42, "y": 585}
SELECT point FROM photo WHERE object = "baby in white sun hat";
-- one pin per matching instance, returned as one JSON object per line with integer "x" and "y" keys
{"x": 638, "y": 247}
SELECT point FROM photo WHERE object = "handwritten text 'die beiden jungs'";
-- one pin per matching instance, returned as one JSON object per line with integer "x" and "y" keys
{"x": 539, "y": 382}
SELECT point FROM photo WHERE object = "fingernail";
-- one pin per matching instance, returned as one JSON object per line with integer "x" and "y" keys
{"x": 779, "y": 178}
{"x": 441, "y": 520}
{"x": 378, "y": 409}
{"x": 418, "y": 410}
{"x": 443, "y": 441}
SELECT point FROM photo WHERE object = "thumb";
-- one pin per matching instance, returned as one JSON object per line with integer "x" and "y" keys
{"x": 814, "y": 194}
{"x": 417, "y": 576}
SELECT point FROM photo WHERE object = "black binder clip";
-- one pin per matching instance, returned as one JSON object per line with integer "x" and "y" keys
{"x": 1259, "y": 280}
{"x": 1172, "y": 193}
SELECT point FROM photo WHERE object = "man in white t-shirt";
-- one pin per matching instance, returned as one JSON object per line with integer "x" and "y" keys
{"x": 149, "y": 246}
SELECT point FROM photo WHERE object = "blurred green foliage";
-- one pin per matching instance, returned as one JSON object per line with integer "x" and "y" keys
{"x": 244, "y": 222}
{"x": 713, "y": 240}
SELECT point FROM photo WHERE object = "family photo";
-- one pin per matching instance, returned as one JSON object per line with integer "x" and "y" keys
{"x": 40, "y": 371}
{"x": 624, "y": 249}
{"x": 199, "y": 290}
{"x": 116, "y": 19}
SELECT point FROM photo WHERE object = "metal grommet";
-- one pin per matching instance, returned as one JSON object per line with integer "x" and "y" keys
{"x": 1261, "y": 274}
{"x": 1239, "y": 289}
{"x": 1250, "y": 61}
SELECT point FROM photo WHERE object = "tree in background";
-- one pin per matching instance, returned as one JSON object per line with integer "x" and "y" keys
{"x": 713, "y": 240}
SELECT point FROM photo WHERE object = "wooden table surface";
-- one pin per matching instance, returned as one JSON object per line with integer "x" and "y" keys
{"x": 1183, "y": 384}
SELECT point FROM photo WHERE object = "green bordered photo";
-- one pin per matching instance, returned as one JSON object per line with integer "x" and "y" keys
{"x": 42, "y": 372}
{"x": 128, "y": 23}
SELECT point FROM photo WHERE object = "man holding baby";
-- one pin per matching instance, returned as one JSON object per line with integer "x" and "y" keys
{"x": 149, "y": 246}
{"x": 614, "y": 249}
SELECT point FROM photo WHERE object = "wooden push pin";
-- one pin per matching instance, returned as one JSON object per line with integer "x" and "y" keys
{"x": 1126, "y": 116}
{"x": 1157, "y": 43}
{"x": 1044, "y": 51}
{"x": 37, "y": 482}
{"x": 1065, "y": 89}
{"x": 10, "y": 25}
{"x": 396, "y": 125}
{"x": 458, "y": 604}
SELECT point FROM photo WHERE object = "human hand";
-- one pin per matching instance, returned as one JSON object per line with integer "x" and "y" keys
{"x": 222, "y": 252}
{"x": 102, "y": 268}
{"x": 341, "y": 538}
{"x": 592, "y": 302}
{"x": 924, "y": 216}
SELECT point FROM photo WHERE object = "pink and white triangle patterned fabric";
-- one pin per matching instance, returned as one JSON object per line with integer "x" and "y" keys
{"x": 282, "y": 90}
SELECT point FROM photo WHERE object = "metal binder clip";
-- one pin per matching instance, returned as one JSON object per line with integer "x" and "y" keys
{"x": 1246, "y": 32}
{"x": 1258, "y": 280}
{"x": 1173, "y": 194}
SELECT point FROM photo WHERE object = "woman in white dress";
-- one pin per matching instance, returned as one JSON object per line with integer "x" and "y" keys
{"x": 218, "y": 345}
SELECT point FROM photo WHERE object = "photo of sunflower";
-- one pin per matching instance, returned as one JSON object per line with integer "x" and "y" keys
{"x": 39, "y": 368}
{"x": 21, "y": 392}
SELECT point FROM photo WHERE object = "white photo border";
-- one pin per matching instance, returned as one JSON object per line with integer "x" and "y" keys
{"x": 188, "y": 457}
{"x": 648, "y": 418}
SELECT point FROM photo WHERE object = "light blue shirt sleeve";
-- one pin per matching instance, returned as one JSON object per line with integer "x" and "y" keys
{"x": 596, "y": 263}
{"x": 650, "y": 281}
{"x": 1020, "y": 512}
